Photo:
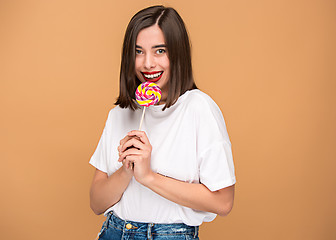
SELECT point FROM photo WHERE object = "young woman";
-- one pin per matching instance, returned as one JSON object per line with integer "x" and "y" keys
{"x": 164, "y": 181}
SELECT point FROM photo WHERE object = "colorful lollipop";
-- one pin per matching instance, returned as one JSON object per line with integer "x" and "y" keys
{"x": 147, "y": 94}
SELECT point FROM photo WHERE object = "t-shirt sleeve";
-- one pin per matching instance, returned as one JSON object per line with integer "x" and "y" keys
{"x": 100, "y": 157}
{"x": 214, "y": 148}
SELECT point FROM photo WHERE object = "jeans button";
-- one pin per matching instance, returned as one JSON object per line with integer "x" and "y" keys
{"x": 129, "y": 226}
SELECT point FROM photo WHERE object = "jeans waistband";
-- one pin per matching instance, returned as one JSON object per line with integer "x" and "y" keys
{"x": 149, "y": 228}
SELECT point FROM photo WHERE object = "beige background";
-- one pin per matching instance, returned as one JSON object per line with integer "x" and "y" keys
{"x": 269, "y": 65}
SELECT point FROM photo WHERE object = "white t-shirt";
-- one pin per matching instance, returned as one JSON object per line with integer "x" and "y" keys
{"x": 189, "y": 143}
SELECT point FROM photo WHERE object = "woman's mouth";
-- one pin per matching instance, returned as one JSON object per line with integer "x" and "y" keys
{"x": 152, "y": 76}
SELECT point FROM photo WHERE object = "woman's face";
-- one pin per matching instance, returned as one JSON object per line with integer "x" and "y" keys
{"x": 151, "y": 58}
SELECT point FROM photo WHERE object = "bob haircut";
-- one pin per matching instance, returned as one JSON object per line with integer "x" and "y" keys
{"x": 179, "y": 54}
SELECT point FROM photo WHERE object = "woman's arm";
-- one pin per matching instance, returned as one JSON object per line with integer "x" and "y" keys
{"x": 193, "y": 195}
{"x": 106, "y": 191}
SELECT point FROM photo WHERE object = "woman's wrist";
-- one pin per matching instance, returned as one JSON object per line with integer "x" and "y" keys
{"x": 149, "y": 179}
{"x": 126, "y": 173}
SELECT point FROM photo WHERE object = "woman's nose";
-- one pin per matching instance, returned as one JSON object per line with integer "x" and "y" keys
{"x": 149, "y": 61}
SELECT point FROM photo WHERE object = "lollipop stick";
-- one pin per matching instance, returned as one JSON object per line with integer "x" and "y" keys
{"x": 143, "y": 114}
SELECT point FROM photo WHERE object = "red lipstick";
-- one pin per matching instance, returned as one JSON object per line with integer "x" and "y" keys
{"x": 152, "y": 76}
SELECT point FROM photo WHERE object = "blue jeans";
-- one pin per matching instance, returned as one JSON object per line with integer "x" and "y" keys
{"x": 115, "y": 228}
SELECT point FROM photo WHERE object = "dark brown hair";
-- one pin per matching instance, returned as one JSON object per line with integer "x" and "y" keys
{"x": 179, "y": 54}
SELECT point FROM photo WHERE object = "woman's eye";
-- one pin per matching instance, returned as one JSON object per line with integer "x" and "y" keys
{"x": 137, "y": 51}
{"x": 160, "y": 51}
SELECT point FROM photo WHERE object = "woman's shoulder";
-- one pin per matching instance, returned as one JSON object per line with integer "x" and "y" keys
{"x": 115, "y": 109}
{"x": 118, "y": 110}
{"x": 199, "y": 100}
{"x": 203, "y": 106}
{"x": 118, "y": 113}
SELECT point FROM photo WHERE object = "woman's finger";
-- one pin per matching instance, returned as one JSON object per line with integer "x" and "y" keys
{"x": 125, "y": 139}
{"x": 128, "y": 163}
{"x": 133, "y": 142}
{"x": 140, "y": 134}
{"x": 129, "y": 152}
{"x": 130, "y": 160}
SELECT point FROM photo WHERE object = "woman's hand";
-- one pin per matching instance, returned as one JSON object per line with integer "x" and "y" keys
{"x": 127, "y": 166}
{"x": 136, "y": 149}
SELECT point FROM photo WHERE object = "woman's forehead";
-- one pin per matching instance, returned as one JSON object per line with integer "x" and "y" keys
{"x": 150, "y": 37}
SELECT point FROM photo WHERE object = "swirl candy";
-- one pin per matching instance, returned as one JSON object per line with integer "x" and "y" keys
{"x": 148, "y": 94}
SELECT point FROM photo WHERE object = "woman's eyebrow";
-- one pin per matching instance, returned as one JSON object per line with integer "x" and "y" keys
{"x": 155, "y": 46}
{"x": 160, "y": 45}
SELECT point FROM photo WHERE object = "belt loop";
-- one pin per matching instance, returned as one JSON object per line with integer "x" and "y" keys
{"x": 149, "y": 231}
{"x": 196, "y": 231}
{"x": 109, "y": 214}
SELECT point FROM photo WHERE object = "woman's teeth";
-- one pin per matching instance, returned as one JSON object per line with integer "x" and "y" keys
{"x": 152, "y": 76}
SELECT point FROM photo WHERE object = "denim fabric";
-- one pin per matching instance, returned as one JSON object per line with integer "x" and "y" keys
{"x": 115, "y": 228}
